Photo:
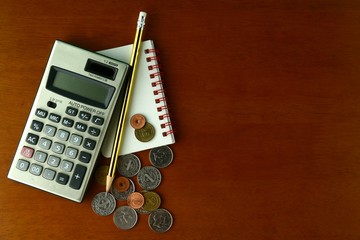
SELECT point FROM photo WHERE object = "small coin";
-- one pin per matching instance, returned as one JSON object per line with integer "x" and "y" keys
{"x": 101, "y": 173}
{"x": 146, "y": 133}
{"x": 135, "y": 200}
{"x": 160, "y": 220}
{"x": 125, "y": 217}
{"x": 129, "y": 165}
{"x": 149, "y": 177}
{"x": 123, "y": 195}
{"x": 152, "y": 201}
{"x": 121, "y": 184}
{"x": 103, "y": 204}
{"x": 137, "y": 121}
{"x": 161, "y": 157}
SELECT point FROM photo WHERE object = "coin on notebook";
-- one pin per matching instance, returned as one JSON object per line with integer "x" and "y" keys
{"x": 137, "y": 121}
{"x": 146, "y": 133}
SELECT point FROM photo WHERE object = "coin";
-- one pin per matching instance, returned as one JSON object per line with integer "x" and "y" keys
{"x": 125, "y": 217}
{"x": 149, "y": 177}
{"x": 161, "y": 157}
{"x": 101, "y": 173}
{"x": 123, "y": 195}
{"x": 152, "y": 201}
{"x": 137, "y": 121}
{"x": 129, "y": 165}
{"x": 135, "y": 200}
{"x": 146, "y": 133}
{"x": 121, "y": 184}
{"x": 160, "y": 220}
{"x": 103, "y": 204}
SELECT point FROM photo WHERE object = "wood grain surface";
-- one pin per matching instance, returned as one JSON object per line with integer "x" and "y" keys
{"x": 265, "y": 100}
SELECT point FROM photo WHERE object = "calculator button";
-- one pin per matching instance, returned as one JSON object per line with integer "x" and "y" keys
{"x": 51, "y": 104}
{"x": 62, "y": 178}
{"x": 76, "y": 139}
{"x": 89, "y": 144}
{"x": 66, "y": 166}
{"x": 22, "y": 165}
{"x": 63, "y": 135}
{"x": 49, "y": 174}
{"x": 35, "y": 169}
{"x": 98, "y": 120}
{"x": 41, "y": 113}
{"x": 36, "y": 126}
{"x": 94, "y": 131}
{"x": 71, "y": 152}
{"x": 53, "y": 161}
{"x": 78, "y": 176}
{"x": 58, "y": 148}
{"x": 32, "y": 138}
{"x": 27, "y": 152}
{"x": 67, "y": 122}
{"x": 45, "y": 143}
{"x": 80, "y": 127}
{"x": 49, "y": 130}
{"x": 54, "y": 117}
{"x": 84, "y": 116}
{"x": 71, "y": 111}
{"x": 40, "y": 156}
{"x": 84, "y": 157}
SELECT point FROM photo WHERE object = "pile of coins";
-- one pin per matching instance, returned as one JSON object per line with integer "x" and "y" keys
{"x": 146, "y": 201}
{"x": 144, "y": 131}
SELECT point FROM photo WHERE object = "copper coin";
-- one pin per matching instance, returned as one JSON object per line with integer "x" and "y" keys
{"x": 122, "y": 184}
{"x": 146, "y": 133}
{"x": 135, "y": 200}
{"x": 137, "y": 121}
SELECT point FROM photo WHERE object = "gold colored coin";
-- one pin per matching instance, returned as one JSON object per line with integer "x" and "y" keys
{"x": 152, "y": 201}
{"x": 146, "y": 133}
{"x": 135, "y": 200}
{"x": 137, "y": 121}
{"x": 101, "y": 173}
{"x": 121, "y": 184}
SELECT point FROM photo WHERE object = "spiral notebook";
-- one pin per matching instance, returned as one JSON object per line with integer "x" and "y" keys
{"x": 148, "y": 99}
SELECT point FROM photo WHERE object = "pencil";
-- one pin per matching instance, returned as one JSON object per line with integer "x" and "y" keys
{"x": 121, "y": 122}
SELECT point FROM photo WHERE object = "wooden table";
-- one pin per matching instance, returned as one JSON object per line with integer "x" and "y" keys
{"x": 265, "y": 100}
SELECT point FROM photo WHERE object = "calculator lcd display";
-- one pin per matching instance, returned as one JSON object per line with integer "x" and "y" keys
{"x": 79, "y": 88}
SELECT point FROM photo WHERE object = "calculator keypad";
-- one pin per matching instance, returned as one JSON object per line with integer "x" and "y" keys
{"x": 57, "y": 148}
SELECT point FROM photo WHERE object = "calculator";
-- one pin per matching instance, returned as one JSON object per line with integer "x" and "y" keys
{"x": 68, "y": 120}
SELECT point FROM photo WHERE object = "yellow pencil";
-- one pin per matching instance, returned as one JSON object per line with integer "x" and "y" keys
{"x": 121, "y": 122}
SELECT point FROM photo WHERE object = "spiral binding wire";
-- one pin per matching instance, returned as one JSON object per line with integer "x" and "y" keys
{"x": 153, "y": 60}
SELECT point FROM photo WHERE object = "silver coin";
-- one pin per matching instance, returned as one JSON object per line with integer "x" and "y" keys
{"x": 123, "y": 195}
{"x": 103, "y": 204}
{"x": 125, "y": 217}
{"x": 160, "y": 220}
{"x": 149, "y": 178}
{"x": 129, "y": 165}
{"x": 161, "y": 157}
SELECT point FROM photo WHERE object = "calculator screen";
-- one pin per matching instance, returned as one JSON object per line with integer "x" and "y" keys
{"x": 79, "y": 87}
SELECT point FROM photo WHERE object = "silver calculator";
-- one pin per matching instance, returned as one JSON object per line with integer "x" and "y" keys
{"x": 68, "y": 121}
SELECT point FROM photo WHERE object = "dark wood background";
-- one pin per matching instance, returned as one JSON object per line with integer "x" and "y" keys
{"x": 265, "y": 99}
